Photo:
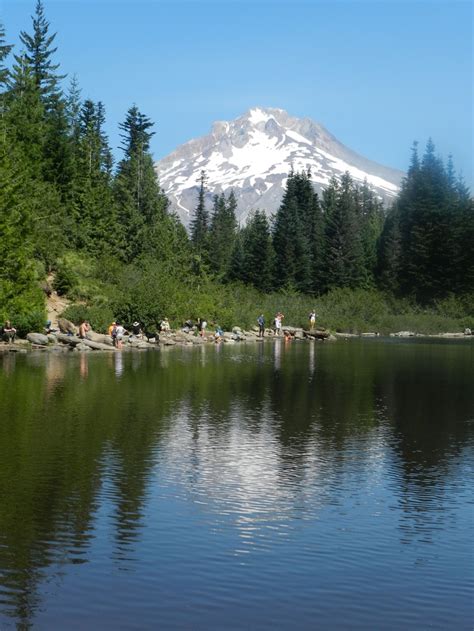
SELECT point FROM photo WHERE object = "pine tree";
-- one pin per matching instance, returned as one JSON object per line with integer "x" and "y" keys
{"x": 26, "y": 122}
{"x": 39, "y": 53}
{"x": 200, "y": 223}
{"x": 57, "y": 166}
{"x": 142, "y": 206}
{"x": 222, "y": 233}
{"x": 290, "y": 242}
{"x": 257, "y": 252}
{"x": 371, "y": 221}
{"x": 5, "y": 50}
{"x": 425, "y": 227}
{"x": 344, "y": 261}
{"x": 389, "y": 253}
{"x": 311, "y": 218}
{"x": 91, "y": 195}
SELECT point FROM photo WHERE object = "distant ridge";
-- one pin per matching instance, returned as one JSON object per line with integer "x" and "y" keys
{"x": 253, "y": 155}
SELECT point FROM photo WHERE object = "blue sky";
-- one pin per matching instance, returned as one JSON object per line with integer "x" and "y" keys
{"x": 377, "y": 75}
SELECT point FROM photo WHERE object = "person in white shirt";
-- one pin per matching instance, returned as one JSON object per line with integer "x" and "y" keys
{"x": 119, "y": 333}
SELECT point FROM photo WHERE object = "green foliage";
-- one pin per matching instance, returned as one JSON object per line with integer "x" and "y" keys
{"x": 426, "y": 246}
{"x": 99, "y": 317}
{"x": 200, "y": 222}
{"x": 344, "y": 255}
{"x": 27, "y": 319}
{"x": 222, "y": 234}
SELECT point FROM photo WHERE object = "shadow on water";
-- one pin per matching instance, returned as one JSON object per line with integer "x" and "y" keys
{"x": 260, "y": 435}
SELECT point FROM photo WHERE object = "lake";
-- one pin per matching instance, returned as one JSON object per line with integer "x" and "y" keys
{"x": 256, "y": 486}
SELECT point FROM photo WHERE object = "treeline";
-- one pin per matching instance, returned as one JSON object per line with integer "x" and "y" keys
{"x": 310, "y": 246}
{"x": 422, "y": 248}
{"x": 105, "y": 234}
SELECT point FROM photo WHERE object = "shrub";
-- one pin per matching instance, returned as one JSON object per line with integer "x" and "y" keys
{"x": 99, "y": 317}
{"x": 24, "y": 323}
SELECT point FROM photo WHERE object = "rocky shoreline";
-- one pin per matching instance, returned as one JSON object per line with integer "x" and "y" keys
{"x": 65, "y": 342}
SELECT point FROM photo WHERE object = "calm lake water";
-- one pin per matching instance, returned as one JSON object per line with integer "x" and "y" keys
{"x": 264, "y": 486}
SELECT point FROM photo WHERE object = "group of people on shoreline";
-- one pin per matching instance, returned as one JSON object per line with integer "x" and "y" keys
{"x": 117, "y": 331}
{"x": 278, "y": 323}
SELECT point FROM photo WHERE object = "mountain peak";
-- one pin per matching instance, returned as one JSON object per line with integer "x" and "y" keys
{"x": 253, "y": 155}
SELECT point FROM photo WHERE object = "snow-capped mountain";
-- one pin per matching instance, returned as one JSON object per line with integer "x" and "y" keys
{"x": 253, "y": 155}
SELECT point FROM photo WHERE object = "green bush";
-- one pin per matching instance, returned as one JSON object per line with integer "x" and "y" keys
{"x": 99, "y": 317}
{"x": 31, "y": 322}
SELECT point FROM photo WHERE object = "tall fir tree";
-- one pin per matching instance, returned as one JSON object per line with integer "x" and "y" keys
{"x": 142, "y": 206}
{"x": 39, "y": 55}
{"x": 5, "y": 50}
{"x": 290, "y": 242}
{"x": 200, "y": 223}
{"x": 371, "y": 221}
{"x": 344, "y": 262}
{"x": 258, "y": 256}
{"x": 222, "y": 233}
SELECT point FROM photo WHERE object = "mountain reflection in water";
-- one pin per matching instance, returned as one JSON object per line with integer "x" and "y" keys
{"x": 266, "y": 485}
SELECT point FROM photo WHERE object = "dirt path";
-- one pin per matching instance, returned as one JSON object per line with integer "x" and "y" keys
{"x": 55, "y": 304}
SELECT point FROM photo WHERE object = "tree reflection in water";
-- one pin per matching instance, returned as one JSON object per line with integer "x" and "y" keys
{"x": 263, "y": 439}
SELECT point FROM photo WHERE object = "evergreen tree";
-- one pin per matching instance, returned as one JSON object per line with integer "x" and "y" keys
{"x": 200, "y": 223}
{"x": 344, "y": 261}
{"x": 371, "y": 221}
{"x": 91, "y": 195}
{"x": 141, "y": 203}
{"x": 56, "y": 162}
{"x": 389, "y": 253}
{"x": 4, "y": 52}
{"x": 26, "y": 125}
{"x": 257, "y": 252}
{"x": 222, "y": 233}
{"x": 311, "y": 218}
{"x": 38, "y": 55}
{"x": 290, "y": 242}
{"x": 426, "y": 227}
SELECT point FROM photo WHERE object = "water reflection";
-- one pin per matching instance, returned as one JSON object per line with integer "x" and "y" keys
{"x": 263, "y": 449}
{"x": 118, "y": 364}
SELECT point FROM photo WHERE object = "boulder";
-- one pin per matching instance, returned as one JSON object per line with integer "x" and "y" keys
{"x": 369, "y": 334}
{"x": 52, "y": 338}
{"x": 198, "y": 340}
{"x": 66, "y": 326}
{"x": 73, "y": 340}
{"x": 102, "y": 338}
{"x": 143, "y": 345}
{"x": 167, "y": 341}
{"x": 403, "y": 334}
{"x": 83, "y": 348}
{"x": 467, "y": 331}
{"x": 38, "y": 338}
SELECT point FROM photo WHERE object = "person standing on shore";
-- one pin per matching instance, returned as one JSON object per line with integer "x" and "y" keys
{"x": 119, "y": 333}
{"x": 312, "y": 319}
{"x": 261, "y": 325}
{"x": 278, "y": 322}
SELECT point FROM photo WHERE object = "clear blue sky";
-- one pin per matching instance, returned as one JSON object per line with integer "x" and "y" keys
{"x": 377, "y": 74}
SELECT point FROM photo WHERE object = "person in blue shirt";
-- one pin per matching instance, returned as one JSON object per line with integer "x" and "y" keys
{"x": 261, "y": 325}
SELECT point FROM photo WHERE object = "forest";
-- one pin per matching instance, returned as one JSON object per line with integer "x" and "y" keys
{"x": 100, "y": 231}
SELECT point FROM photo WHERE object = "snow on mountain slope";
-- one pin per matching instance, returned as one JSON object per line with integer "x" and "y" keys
{"x": 253, "y": 155}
